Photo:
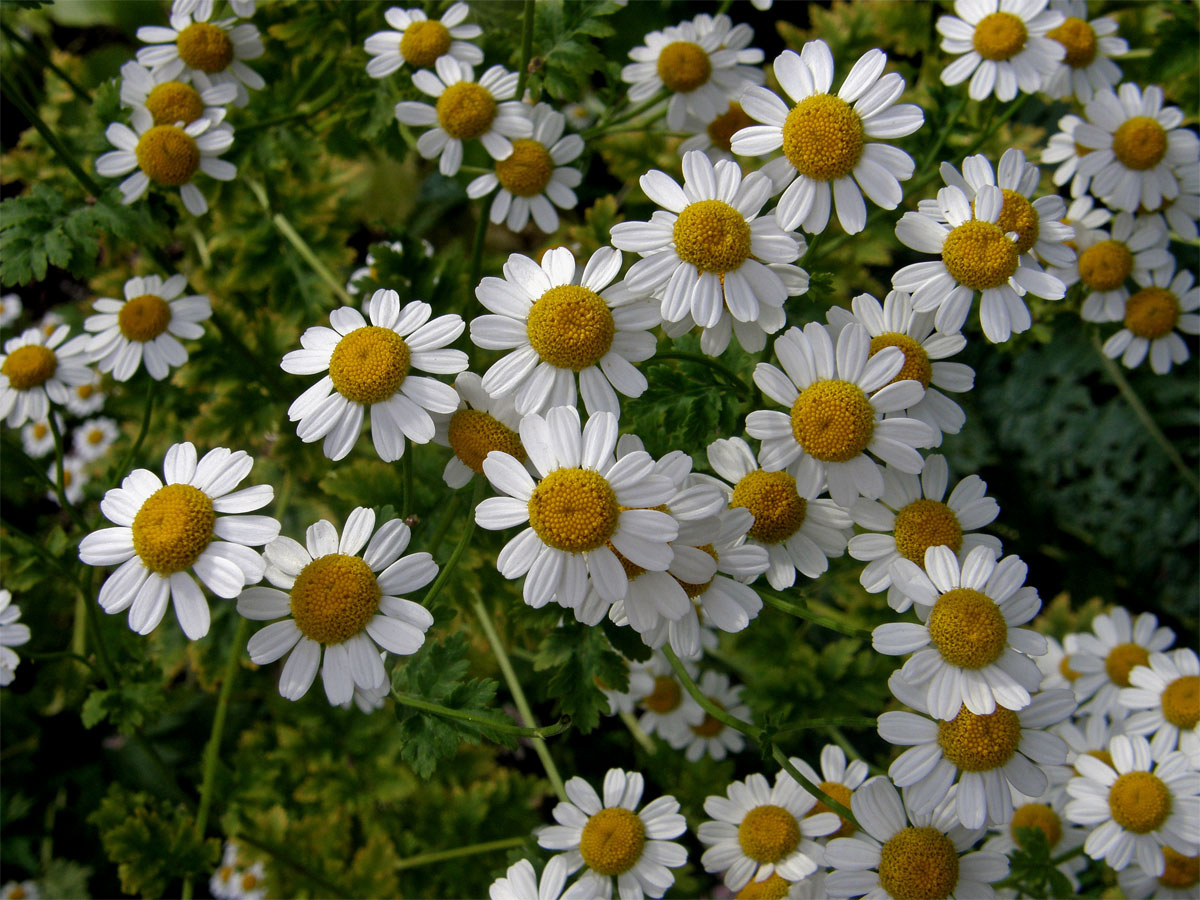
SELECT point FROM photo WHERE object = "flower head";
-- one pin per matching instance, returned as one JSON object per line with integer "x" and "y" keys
{"x": 1153, "y": 318}
{"x": 480, "y": 425}
{"x": 420, "y": 42}
{"x": 36, "y": 369}
{"x": 193, "y": 46}
{"x": 1002, "y": 45}
{"x": 175, "y": 102}
{"x": 1086, "y": 66}
{"x": 13, "y": 633}
{"x": 1165, "y": 697}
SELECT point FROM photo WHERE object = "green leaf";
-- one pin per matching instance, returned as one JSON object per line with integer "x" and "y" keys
{"x": 580, "y": 658}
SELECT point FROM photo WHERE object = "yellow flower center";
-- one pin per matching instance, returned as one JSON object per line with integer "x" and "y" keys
{"x": 1121, "y": 661}
{"x": 17, "y": 893}
{"x": 666, "y": 696}
{"x": 1017, "y": 214}
{"x": 249, "y": 881}
{"x": 465, "y": 110}
{"x": 1065, "y": 670}
{"x": 998, "y": 37}
{"x": 722, "y": 129}
{"x": 833, "y": 421}
{"x": 369, "y": 364}
{"x": 1181, "y": 702}
{"x": 773, "y": 888}
{"x": 205, "y": 47}
{"x": 424, "y": 42}
{"x": 612, "y": 841}
{"x": 168, "y": 155}
{"x": 226, "y": 872}
{"x": 923, "y": 524}
{"x": 823, "y": 137}
{"x": 917, "y": 366}
{"x": 40, "y": 430}
{"x": 144, "y": 318}
{"x": 1140, "y": 143}
{"x": 174, "y": 101}
{"x": 979, "y": 743}
{"x": 683, "y": 66}
{"x": 574, "y": 510}
{"x": 1037, "y": 815}
{"x": 712, "y": 236}
{"x": 1139, "y": 802}
{"x": 334, "y": 598}
{"x": 968, "y": 628}
{"x": 1105, "y": 265}
{"x": 768, "y": 833}
{"x": 979, "y": 255}
{"x": 29, "y": 366}
{"x": 918, "y": 864}
{"x": 84, "y": 391}
{"x": 172, "y": 528}
{"x": 1079, "y": 40}
{"x": 95, "y": 436}
{"x": 772, "y": 499}
{"x": 711, "y": 726}
{"x": 570, "y": 327}
{"x": 841, "y": 794}
{"x": 1181, "y": 871}
{"x": 527, "y": 171}
{"x": 1151, "y": 313}
{"x": 474, "y": 434}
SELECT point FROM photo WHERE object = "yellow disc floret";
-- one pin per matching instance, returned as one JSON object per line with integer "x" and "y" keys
{"x": 1140, "y": 143}
{"x": 1181, "y": 702}
{"x": 423, "y": 42}
{"x": 1121, "y": 660}
{"x": 612, "y": 841}
{"x": 722, "y": 129}
{"x": 527, "y": 170}
{"x": 1079, "y": 40}
{"x": 1037, "y": 815}
{"x": 918, "y": 864}
{"x": 84, "y": 391}
{"x": 1017, "y": 214}
{"x": 683, "y": 66}
{"x": 29, "y": 366}
{"x": 773, "y": 888}
{"x": 999, "y": 36}
{"x": 1140, "y": 802}
{"x": 841, "y": 794}
{"x": 473, "y": 434}
{"x": 95, "y": 436}
{"x": 833, "y": 420}
{"x": 369, "y": 364}
{"x": 1065, "y": 670}
{"x": 570, "y": 327}
{"x": 174, "y": 101}
{"x": 249, "y": 881}
{"x": 465, "y": 110}
{"x": 917, "y": 366}
{"x": 979, "y": 255}
{"x": 1151, "y": 313}
{"x": 666, "y": 696}
{"x": 772, "y": 499}
{"x": 144, "y": 318}
{"x": 768, "y": 833}
{"x": 205, "y": 47}
{"x": 968, "y": 628}
{"x": 1180, "y": 872}
{"x": 823, "y": 137}
{"x": 173, "y": 528}
{"x": 334, "y": 598}
{"x": 1105, "y": 265}
{"x": 711, "y": 726}
{"x": 574, "y": 510}
{"x": 923, "y": 524}
{"x": 979, "y": 743}
{"x": 712, "y": 236}
{"x": 168, "y": 155}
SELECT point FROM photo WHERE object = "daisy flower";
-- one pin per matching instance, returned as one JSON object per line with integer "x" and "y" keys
{"x": 1107, "y": 260}
{"x": 25, "y": 890}
{"x": 12, "y": 634}
{"x": 1055, "y": 663}
{"x": 704, "y": 63}
{"x": 465, "y": 110}
{"x": 521, "y": 882}
{"x": 1087, "y": 219}
{"x": 1002, "y": 45}
{"x": 563, "y": 328}
{"x": 1154, "y": 316}
{"x": 204, "y": 8}
{"x": 421, "y": 42}
{"x": 1062, "y": 148}
{"x": 369, "y": 367}
{"x": 824, "y": 138}
{"x": 708, "y": 247}
{"x": 172, "y": 102}
{"x": 168, "y": 155}
{"x": 714, "y": 136}
{"x": 892, "y": 858}
{"x": 1085, "y": 67}
{"x": 584, "y": 508}
{"x": 145, "y": 326}
{"x": 1136, "y": 806}
{"x": 836, "y": 402}
{"x": 10, "y": 309}
{"x": 1178, "y": 881}
{"x": 758, "y": 829}
{"x": 1182, "y": 212}
{"x": 75, "y": 476}
{"x": 87, "y": 398}
{"x": 535, "y": 177}
{"x": 837, "y": 779}
{"x": 1166, "y": 694}
{"x": 235, "y": 881}
{"x": 193, "y": 45}
{"x": 712, "y": 737}
{"x": 665, "y": 711}
{"x": 480, "y": 425}
{"x": 641, "y": 683}
{"x": 1044, "y": 813}
{"x": 612, "y": 840}
{"x": 37, "y": 439}
{"x": 1109, "y": 652}
{"x": 335, "y": 599}
{"x": 977, "y": 254}
{"x": 195, "y": 522}
{"x": 92, "y": 438}
{"x": 36, "y": 369}
{"x": 1086, "y": 735}
{"x": 913, "y": 515}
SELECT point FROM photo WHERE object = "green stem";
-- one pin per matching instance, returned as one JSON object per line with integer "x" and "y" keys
{"x": 59, "y": 148}
{"x": 728, "y": 374}
{"x": 271, "y": 376}
{"x": 526, "y": 50}
{"x": 131, "y": 454}
{"x": 831, "y": 721}
{"x": 328, "y": 888}
{"x": 477, "y": 244}
{"x": 800, "y": 612}
{"x": 602, "y": 127}
{"x": 943, "y": 134}
{"x": 463, "y": 540}
{"x": 60, "y": 487}
{"x": 482, "y": 721}
{"x": 448, "y": 514}
{"x": 424, "y": 859}
{"x": 41, "y": 57}
{"x": 831, "y": 802}
{"x": 631, "y": 722}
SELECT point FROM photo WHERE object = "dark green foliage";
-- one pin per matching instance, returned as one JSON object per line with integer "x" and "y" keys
{"x": 1032, "y": 869}
{"x": 577, "y": 657}
{"x": 564, "y": 41}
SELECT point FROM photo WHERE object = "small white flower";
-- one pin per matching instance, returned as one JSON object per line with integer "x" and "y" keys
{"x": 420, "y": 42}
{"x": 1086, "y": 218}
{"x": 172, "y": 102}
{"x": 521, "y": 882}
{"x": 12, "y": 634}
{"x": 92, "y": 438}
{"x": 37, "y": 439}
{"x": 1108, "y": 654}
{"x": 1107, "y": 259}
{"x": 1086, "y": 66}
{"x": 1178, "y": 881}
{"x": 87, "y": 398}
{"x": 195, "y": 45}
{"x": 37, "y": 369}
{"x": 25, "y": 890}
{"x": 713, "y": 136}
{"x": 480, "y": 425}
{"x": 1003, "y": 45}
{"x": 1166, "y": 305}
{"x": 837, "y": 779}
{"x": 712, "y": 737}
{"x": 665, "y": 710}
{"x": 1182, "y": 212}
{"x": 1166, "y": 694}
{"x": 234, "y": 881}
{"x": 1062, "y": 148}
{"x": 75, "y": 476}
{"x": 1054, "y": 663}
{"x": 10, "y": 309}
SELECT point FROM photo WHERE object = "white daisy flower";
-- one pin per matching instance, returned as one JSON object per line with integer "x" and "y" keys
{"x": 480, "y": 425}
{"x": 192, "y": 44}
{"x": 335, "y": 599}
{"x": 837, "y": 779}
{"x": 1136, "y": 806}
{"x": 563, "y": 327}
{"x": 712, "y": 737}
{"x": 25, "y": 890}
{"x": 641, "y": 684}
{"x": 37, "y": 439}
{"x": 87, "y": 398}
{"x": 913, "y": 515}
{"x": 193, "y": 523}
{"x": 713, "y": 136}
{"x": 891, "y": 858}
{"x": 824, "y": 138}
{"x": 168, "y": 155}
{"x": 1062, "y": 148}
{"x": 204, "y": 8}
{"x": 758, "y": 829}
{"x": 1046, "y": 814}
{"x": 75, "y": 476}
{"x": 10, "y": 309}
{"x": 372, "y": 698}
{"x": 1085, "y": 67}
{"x": 1087, "y": 219}
{"x": 1002, "y": 45}
{"x": 704, "y": 63}
{"x": 1086, "y": 735}
{"x": 420, "y": 42}
{"x": 1180, "y": 877}
{"x": 235, "y": 881}
{"x": 1182, "y": 212}
{"x": 1055, "y": 663}
{"x": 12, "y": 634}
{"x": 1154, "y": 316}
{"x": 37, "y": 369}
{"x": 968, "y": 615}
{"x": 1139, "y": 147}
{"x": 466, "y": 110}
{"x": 172, "y": 102}
{"x": 584, "y": 506}
{"x": 1107, "y": 260}
{"x": 977, "y": 254}
{"x": 1166, "y": 694}
{"x": 611, "y": 840}
{"x": 535, "y": 177}
{"x": 521, "y": 882}
{"x": 982, "y": 754}
{"x": 92, "y": 438}
{"x": 1109, "y": 652}
{"x": 836, "y": 402}
{"x": 665, "y": 711}
{"x": 369, "y": 367}
{"x": 145, "y": 326}
{"x": 707, "y": 249}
